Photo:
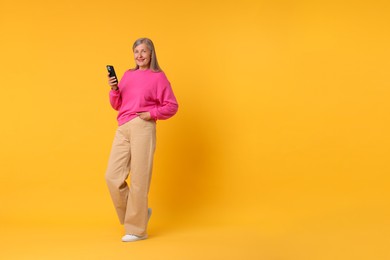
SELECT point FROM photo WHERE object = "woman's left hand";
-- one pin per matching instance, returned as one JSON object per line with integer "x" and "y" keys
{"x": 144, "y": 115}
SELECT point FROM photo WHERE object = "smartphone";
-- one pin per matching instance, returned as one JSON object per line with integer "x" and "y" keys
{"x": 111, "y": 70}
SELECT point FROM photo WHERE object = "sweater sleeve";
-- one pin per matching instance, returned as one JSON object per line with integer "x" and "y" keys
{"x": 115, "y": 99}
{"x": 167, "y": 105}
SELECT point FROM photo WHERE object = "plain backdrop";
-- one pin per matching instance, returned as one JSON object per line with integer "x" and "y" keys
{"x": 282, "y": 130}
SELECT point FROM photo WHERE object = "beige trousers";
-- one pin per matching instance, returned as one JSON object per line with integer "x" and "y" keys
{"x": 132, "y": 152}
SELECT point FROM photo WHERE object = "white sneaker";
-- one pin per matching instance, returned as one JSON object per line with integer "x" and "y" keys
{"x": 132, "y": 238}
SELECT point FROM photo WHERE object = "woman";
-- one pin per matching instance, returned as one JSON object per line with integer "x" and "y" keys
{"x": 142, "y": 96}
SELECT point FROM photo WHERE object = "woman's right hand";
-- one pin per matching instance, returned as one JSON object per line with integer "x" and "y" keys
{"x": 112, "y": 82}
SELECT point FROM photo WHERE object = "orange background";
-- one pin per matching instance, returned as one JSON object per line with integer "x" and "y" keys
{"x": 279, "y": 150}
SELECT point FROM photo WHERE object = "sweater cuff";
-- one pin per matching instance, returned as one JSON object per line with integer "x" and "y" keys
{"x": 114, "y": 92}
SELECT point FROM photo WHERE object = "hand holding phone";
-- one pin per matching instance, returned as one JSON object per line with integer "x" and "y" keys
{"x": 113, "y": 80}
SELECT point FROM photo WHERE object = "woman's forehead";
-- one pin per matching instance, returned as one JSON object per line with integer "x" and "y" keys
{"x": 141, "y": 47}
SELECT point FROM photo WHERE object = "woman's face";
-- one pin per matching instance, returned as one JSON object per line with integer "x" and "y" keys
{"x": 142, "y": 56}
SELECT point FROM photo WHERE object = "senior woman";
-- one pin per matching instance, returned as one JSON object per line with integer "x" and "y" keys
{"x": 143, "y": 96}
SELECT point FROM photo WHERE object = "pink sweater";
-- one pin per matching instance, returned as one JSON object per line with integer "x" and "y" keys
{"x": 143, "y": 91}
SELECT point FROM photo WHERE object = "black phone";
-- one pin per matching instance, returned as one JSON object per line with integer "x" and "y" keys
{"x": 111, "y": 70}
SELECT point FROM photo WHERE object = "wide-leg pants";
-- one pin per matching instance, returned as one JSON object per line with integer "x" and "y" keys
{"x": 132, "y": 154}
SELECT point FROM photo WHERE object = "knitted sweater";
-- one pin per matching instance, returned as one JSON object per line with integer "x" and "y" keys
{"x": 143, "y": 91}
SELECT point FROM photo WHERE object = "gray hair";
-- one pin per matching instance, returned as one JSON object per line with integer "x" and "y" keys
{"x": 153, "y": 61}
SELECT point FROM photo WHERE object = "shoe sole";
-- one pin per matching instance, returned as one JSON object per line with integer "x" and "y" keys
{"x": 140, "y": 238}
